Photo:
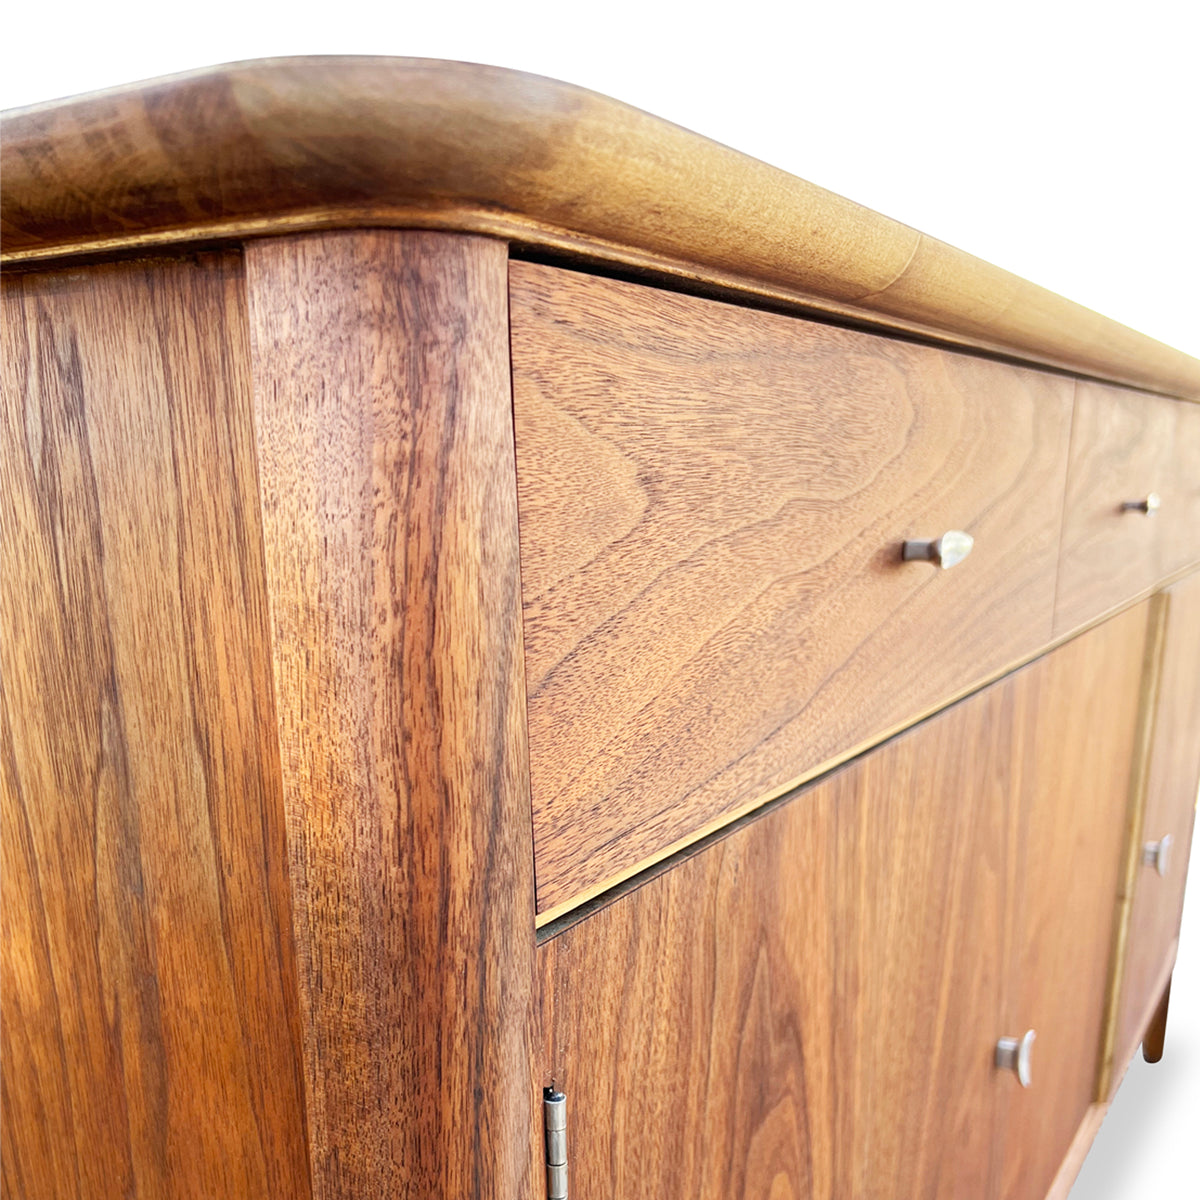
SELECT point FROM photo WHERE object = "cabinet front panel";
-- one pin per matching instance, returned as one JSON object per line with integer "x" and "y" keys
{"x": 713, "y": 502}
{"x": 808, "y": 1007}
{"x": 1075, "y": 797}
{"x": 1124, "y": 450}
{"x": 1170, "y": 807}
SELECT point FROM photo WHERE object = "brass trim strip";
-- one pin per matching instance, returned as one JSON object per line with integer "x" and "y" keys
{"x": 623, "y": 881}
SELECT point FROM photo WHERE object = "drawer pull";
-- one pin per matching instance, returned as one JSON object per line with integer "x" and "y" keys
{"x": 1014, "y": 1055}
{"x": 947, "y": 551}
{"x": 1158, "y": 854}
{"x": 1149, "y": 506}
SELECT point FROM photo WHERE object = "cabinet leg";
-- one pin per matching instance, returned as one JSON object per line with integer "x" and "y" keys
{"x": 1156, "y": 1031}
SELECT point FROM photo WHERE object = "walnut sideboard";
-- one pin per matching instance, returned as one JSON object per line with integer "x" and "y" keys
{"x": 543, "y": 655}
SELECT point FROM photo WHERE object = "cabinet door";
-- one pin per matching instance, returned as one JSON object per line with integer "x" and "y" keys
{"x": 1169, "y": 812}
{"x": 808, "y": 1007}
{"x": 1075, "y": 803}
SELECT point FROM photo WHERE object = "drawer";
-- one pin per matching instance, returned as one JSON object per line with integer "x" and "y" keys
{"x": 712, "y": 506}
{"x": 1125, "y": 446}
{"x": 1183, "y": 517}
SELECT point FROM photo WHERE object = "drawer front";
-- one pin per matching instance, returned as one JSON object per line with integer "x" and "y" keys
{"x": 1126, "y": 446}
{"x": 712, "y": 506}
{"x": 1183, "y": 517}
{"x": 1169, "y": 812}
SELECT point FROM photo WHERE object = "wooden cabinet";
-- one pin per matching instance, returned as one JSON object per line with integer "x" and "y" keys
{"x": 811, "y": 1004}
{"x": 457, "y": 641}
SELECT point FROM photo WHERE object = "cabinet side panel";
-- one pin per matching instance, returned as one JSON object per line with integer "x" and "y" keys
{"x": 151, "y": 1036}
{"x": 389, "y": 501}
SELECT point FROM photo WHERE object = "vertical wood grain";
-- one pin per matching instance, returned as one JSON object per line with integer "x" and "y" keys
{"x": 1152, "y": 664}
{"x": 807, "y": 1009}
{"x": 151, "y": 1037}
{"x": 1172, "y": 777}
{"x": 1079, "y": 762}
{"x": 388, "y": 491}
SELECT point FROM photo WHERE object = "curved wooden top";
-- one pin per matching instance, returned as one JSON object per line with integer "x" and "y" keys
{"x": 281, "y": 145}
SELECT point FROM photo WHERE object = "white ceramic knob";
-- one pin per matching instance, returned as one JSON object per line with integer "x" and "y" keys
{"x": 1015, "y": 1054}
{"x": 946, "y": 552}
{"x": 1149, "y": 506}
{"x": 1158, "y": 854}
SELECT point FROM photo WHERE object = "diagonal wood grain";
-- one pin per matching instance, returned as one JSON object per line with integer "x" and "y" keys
{"x": 151, "y": 1038}
{"x": 712, "y": 506}
{"x": 386, "y": 460}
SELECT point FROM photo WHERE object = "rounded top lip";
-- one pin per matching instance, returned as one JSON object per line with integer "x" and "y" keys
{"x": 287, "y": 145}
{"x": 242, "y": 64}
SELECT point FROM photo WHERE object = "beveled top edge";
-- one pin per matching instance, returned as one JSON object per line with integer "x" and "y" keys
{"x": 284, "y": 145}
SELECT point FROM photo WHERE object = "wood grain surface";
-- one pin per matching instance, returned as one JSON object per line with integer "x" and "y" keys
{"x": 386, "y": 464}
{"x": 1156, "y": 627}
{"x": 1124, "y": 445}
{"x": 151, "y": 1039}
{"x": 1072, "y": 1163}
{"x": 1170, "y": 808}
{"x": 810, "y": 1005}
{"x": 1076, "y": 796}
{"x": 1085, "y": 1135}
{"x": 1183, "y": 517}
{"x": 288, "y": 144}
{"x": 713, "y": 502}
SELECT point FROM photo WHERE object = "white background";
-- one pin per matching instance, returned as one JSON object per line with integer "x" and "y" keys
{"x": 1060, "y": 140}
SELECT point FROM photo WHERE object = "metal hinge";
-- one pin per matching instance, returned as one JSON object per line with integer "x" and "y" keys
{"x": 554, "y": 1104}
